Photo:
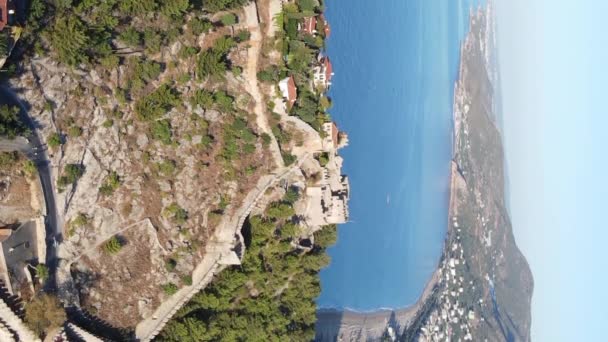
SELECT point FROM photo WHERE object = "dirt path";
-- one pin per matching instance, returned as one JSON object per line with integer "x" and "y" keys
{"x": 274, "y": 8}
{"x": 253, "y": 88}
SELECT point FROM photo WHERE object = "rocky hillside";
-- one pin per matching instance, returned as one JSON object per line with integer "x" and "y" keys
{"x": 151, "y": 139}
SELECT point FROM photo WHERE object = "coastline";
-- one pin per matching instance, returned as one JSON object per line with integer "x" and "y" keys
{"x": 351, "y": 325}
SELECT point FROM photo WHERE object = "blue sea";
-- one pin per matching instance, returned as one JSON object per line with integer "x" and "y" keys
{"x": 396, "y": 62}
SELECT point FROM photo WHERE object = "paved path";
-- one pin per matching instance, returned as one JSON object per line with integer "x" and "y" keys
{"x": 34, "y": 148}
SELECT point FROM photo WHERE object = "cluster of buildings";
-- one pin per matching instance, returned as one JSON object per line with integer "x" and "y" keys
{"x": 328, "y": 196}
{"x": 322, "y": 70}
{"x": 452, "y": 316}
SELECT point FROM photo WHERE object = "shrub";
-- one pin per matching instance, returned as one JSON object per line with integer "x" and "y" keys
{"x": 228, "y": 19}
{"x": 131, "y": 37}
{"x": 266, "y": 139}
{"x": 111, "y": 184}
{"x": 113, "y": 245}
{"x": 288, "y": 158}
{"x": 42, "y": 272}
{"x": 187, "y": 280}
{"x": 203, "y": 98}
{"x": 44, "y": 313}
{"x": 199, "y": 26}
{"x": 153, "y": 40}
{"x": 54, "y": 140}
{"x": 74, "y": 132}
{"x": 269, "y": 75}
{"x": 169, "y": 289}
{"x": 291, "y": 195}
{"x": 243, "y": 35}
{"x": 323, "y": 159}
{"x": 71, "y": 173}
{"x": 108, "y": 123}
{"x": 167, "y": 167}
{"x": 156, "y": 104}
{"x": 171, "y": 264}
{"x": 79, "y": 221}
{"x": 161, "y": 130}
{"x": 176, "y": 213}
{"x": 29, "y": 168}
{"x": 10, "y": 124}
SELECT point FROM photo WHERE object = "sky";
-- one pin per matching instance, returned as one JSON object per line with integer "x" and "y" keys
{"x": 554, "y": 67}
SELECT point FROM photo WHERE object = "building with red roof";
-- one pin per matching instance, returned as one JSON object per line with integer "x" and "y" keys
{"x": 3, "y": 14}
{"x": 7, "y": 9}
{"x": 289, "y": 90}
{"x": 326, "y": 27}
{"x": 309, "y": 25}
{"x": 323, "y": 73}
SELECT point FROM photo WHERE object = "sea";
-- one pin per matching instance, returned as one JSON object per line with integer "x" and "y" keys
{"x": 395, "y": 63}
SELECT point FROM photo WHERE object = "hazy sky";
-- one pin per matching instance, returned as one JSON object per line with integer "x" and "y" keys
{"x": 554, "y": 64}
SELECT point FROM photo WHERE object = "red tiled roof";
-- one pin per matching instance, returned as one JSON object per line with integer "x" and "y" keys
{"x": 292, "y": 91}
{"x": 334, "y": 133}
{"x": 328, "y": 69}
{"x": 309, "y": 25}
{"x": 327, "y": 28}
{"x": 3, "y": 14}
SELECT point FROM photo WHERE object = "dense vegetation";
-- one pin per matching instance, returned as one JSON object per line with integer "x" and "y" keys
{"x": 301, "y": 51}
{"x": 10, "y": 124}
{"x": 86, "y": 32}
{"x": 270, "y": 297}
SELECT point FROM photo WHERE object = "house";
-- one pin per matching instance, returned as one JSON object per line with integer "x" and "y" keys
{"x": 323, "y": 72}
{"x": 333, "y": 138}
{"x": 7, "y": 11}
{"x": 326, "y": 27}
{"x": 308, "y": 25}
{"x": 289, "y": 90}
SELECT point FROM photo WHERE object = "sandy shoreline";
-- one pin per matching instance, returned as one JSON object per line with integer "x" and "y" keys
{"x": 362, "y": 326}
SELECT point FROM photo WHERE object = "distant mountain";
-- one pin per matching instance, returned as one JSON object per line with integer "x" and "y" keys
{"x": 485, "y": 284}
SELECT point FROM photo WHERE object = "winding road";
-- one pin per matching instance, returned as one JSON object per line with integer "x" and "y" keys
{"x": 34, "y": 149}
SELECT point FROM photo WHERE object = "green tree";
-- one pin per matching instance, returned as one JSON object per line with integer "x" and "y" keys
{"x": 228, "y": 19}
{"x": 157, "y": 103}
{"x": 130, "y": 36}
{"x": 326, "y": 236}
{"x": 161, "y": 130}
{"x": 69, "y": 40}
{"x": 174, "y": 8}
{"x": 199, "y": 26}
{"x": 10, "y": 124}
{"x": 71, "y": 173}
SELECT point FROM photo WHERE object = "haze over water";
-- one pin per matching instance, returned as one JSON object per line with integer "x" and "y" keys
{"x": 396, "y": 62}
